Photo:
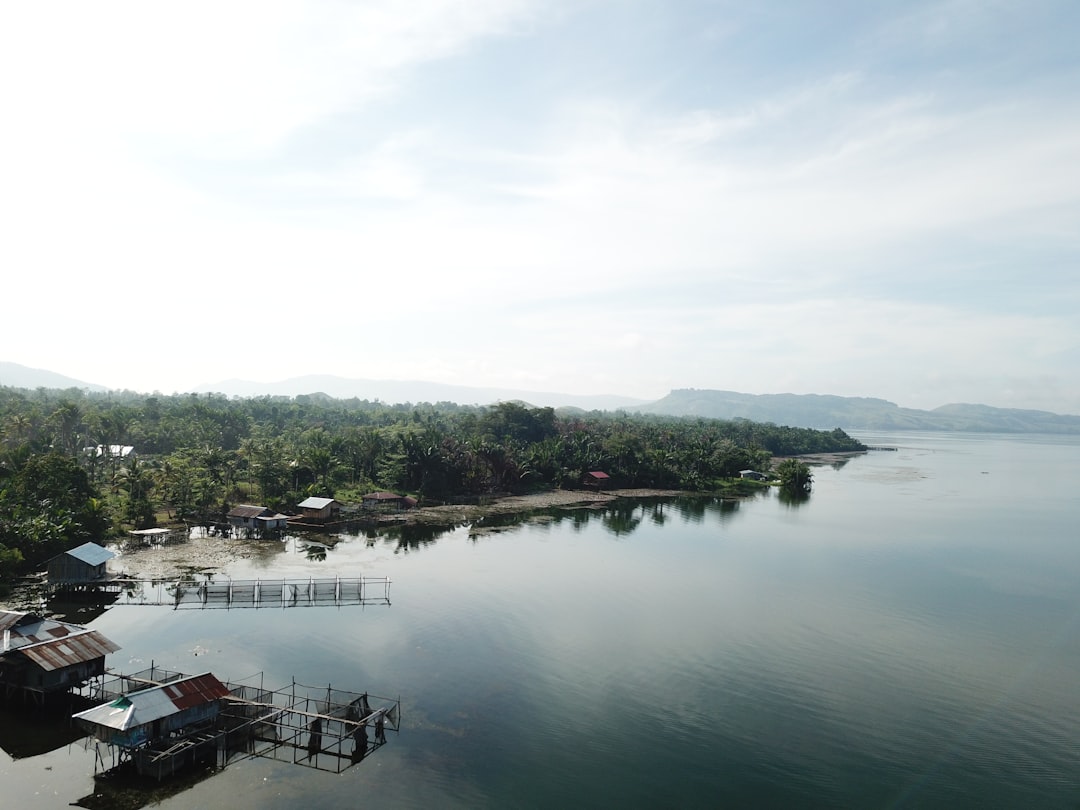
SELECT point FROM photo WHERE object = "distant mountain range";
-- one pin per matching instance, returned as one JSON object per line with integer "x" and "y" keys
{"x": 395, "y": 391}
{"x": 798, "y": 410}
{"x": 15, "y": 376}
{"x": 856, "y": 413}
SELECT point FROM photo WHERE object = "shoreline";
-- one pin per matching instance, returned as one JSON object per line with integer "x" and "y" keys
{"x": 205, "y": 554}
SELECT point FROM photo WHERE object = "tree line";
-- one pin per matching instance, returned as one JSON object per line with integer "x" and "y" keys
{"x": 67, "y": 475}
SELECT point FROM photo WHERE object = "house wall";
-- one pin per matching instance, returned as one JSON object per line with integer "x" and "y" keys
{"x": 383, "y": 504}
{"x": 69, "y": 569}
{"x": 134, "y": 737}
{"x": 32, "y": 676}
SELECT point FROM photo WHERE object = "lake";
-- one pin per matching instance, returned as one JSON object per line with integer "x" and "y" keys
{"x": 909, "y": 636}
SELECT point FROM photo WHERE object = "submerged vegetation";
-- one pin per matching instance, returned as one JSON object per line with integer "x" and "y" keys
{"x": 76, "y": 465}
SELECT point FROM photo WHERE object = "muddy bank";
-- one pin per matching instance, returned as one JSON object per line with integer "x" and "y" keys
{"x": 510, "y": 504}
{"x": 202, "y": 554}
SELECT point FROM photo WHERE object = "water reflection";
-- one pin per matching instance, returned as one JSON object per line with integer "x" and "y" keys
{"x": 412, "y": 537}
{"x": 123, "y": 788}
{"x": 792, "y": 498}
{"x": 31, "y": 730}
{"x": 621, "y": 518}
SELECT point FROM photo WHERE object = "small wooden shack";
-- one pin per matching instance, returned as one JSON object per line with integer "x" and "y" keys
{"x": 319, "y": 510}
{"x": 86, "y": 563}
{"x": 753, "y": 475}
{"x": 173, "y": 709}
{"x": 40, "y": 656}
{"x": 256, "y": 518}
{"x": 596, "y": 479}
{"x": 386, "y": 502}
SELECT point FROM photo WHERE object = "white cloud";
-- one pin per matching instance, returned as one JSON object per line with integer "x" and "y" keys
{"x": 171, "y": 164}
{"x": 230, "y": 79}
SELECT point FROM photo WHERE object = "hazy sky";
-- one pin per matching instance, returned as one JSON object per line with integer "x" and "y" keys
{"x": 874, "y": 199}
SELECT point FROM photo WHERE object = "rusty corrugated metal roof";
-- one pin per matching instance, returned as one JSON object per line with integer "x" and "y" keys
{"x": 195, "y": 691}
{"x": 75, "y": 648}
{"x": 10, "y": 618}
{"x": 29, "y": 628}
{"x": 147, "y": 705}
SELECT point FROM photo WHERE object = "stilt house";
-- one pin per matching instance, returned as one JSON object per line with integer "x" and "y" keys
{"x": 319, "y": 510}
{"x": 178, "y": 708}
{"x": 85, "y": 563}
{"x": 41, "y": 656}
{"x": 257, "y": 518}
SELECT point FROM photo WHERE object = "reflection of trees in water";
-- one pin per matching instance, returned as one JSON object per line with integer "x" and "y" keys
{"x": 578, "y": 518}
{"x": 696, "y": 509}
{"x": 793, "y": 498}
{"x": 410, "y": 537}
{"x": 620, "y": 518}
{"x": 315, "y": 553}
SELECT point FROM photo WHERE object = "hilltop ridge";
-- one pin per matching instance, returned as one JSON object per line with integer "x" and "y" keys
{"x": 819, "y": 411}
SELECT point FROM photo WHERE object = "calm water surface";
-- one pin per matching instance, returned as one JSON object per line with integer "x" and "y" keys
{"x": 907, "y": 637}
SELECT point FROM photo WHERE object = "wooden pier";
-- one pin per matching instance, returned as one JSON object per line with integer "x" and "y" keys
{"x": 338, "y": 591}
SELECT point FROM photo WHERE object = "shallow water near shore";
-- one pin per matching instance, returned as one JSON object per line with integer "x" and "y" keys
{"x": 907, "y": 637}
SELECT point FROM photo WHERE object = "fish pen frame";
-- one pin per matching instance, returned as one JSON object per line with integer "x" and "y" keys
{"x": 205, "y": 593}
{"x": 300, "y": 724}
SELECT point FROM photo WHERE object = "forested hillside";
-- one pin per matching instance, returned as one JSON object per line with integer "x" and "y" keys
{"x": 77, "y": 465}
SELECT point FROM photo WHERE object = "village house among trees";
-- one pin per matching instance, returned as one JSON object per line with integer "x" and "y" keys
{"x": 80, "y": 467}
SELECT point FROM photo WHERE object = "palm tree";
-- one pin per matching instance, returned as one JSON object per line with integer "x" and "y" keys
{"x": 795, "y": 475}
{"x": 66, "y": 420}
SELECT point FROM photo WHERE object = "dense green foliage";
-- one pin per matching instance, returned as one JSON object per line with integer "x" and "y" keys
{"x": 65, "y": 477}
{"x": 794, "y": 475}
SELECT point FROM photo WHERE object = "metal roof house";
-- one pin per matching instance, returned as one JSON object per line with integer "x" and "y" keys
{"x": 258, "y": 518}
{"x": 596, "y": 478}
{"x": 319, "y": 509}
{"x": 40, "y": 656}
{"x": 117, "y": 451}
{"x": 386, "y": 501}
{"x": 85, "y": 563}
{"x": 139, "y": 718}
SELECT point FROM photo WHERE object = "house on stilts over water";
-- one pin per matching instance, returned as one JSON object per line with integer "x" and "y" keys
{"x": 163, "y": 721}
{"x": 40, "y": 656}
